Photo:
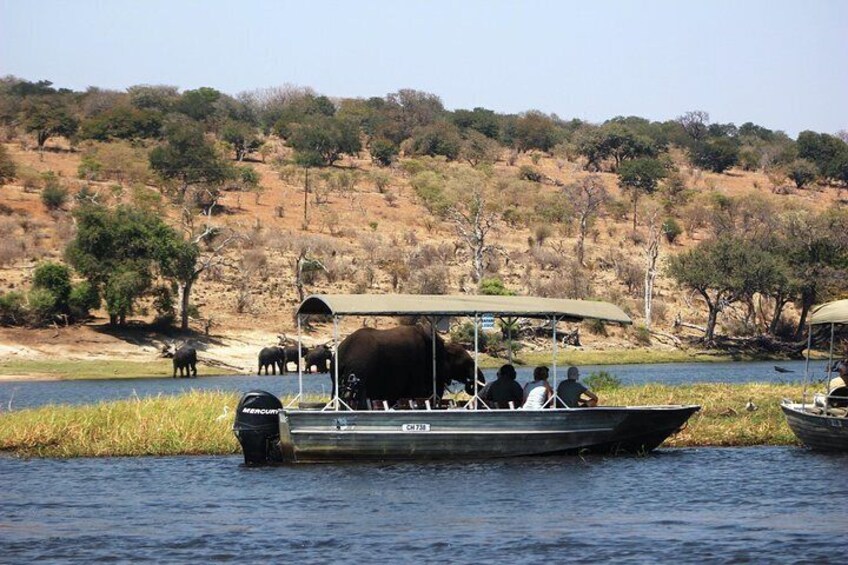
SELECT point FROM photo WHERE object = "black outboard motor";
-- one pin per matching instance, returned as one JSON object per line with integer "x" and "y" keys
{"x": 257, "y": 427}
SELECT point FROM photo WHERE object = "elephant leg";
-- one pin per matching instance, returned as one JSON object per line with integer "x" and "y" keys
{"x": 194, "y": 369}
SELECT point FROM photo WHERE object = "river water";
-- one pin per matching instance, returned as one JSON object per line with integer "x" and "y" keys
{"x": 763, "y": 504}
{"x": 24, "y": 394}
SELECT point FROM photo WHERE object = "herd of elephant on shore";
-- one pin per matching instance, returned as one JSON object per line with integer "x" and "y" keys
{"x": 271, "y": 359}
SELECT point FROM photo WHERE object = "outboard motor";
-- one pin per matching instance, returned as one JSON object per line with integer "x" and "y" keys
{"x": 257, "y": 427}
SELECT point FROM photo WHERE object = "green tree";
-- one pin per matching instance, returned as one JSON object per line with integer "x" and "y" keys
{"x": 439, "y": 138}
{"x": 48, "y": 116}
{"x": 716, "y": 154}
{"x": 722, "y": 272}
{"x": 829, "y": 153}
{"x": 122, "y": 122}
{"x": 640, "y": 176}
{"x": 188, "y": 158}
{"x": 117, "y": 251}
{"x": 242, "y": 137}
{"x": 477, "y": 148}
{"x": 321, "y": 141}
{"x": 198, "y": 104}
{"x": 534, "y": 130}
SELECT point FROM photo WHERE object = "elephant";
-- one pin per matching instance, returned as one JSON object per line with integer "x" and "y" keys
{"x": 289, "y": 355}
{"x": 398, "y": 363}
{"x": 185, "y": 359}
{"x": 319, "y": 357}
{"x": 273, "y": 357}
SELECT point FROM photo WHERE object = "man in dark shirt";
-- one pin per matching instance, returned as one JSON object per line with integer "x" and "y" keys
{"x": 503, "y": 390}
{"x": 570, "y": 392}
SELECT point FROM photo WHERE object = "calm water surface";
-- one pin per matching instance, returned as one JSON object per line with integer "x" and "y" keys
{"x": 687, "y": 505}
{"x": 17, "y": 395}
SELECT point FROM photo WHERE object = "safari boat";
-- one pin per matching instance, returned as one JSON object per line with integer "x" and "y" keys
{"x": 433, "y": 428}
{"x": 821, "y": 423}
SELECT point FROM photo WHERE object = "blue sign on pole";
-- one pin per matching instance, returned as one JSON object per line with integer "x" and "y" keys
{"x": 487, "y": 322}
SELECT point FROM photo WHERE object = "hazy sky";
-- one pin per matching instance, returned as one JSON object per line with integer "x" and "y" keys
{"x": 780, "y": 64}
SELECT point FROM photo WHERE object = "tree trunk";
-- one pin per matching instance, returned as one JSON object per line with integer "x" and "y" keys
{"x": 635, "y": 201}
{"x": 779, "y": 304}
{"x": 802, "y": 321}
{"x": 581, "y": 238}
{"x": 652, "y": 253}
{"x": 709, "y": 335}
{"x": 113, "y": 320}
{"x": 184, "y": 296}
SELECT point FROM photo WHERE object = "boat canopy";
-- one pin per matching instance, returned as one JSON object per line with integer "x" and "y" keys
{"x": 830, "y": 313}
{"x": 464, "y": 305}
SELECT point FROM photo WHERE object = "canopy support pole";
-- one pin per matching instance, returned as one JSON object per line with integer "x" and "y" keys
{"x": 807, "y": 365}
{"x": 829, "y": 361}
{"x": 509, "y": 323}
{"x": 476, "y": 356}
{"x": 436, "y": 399}
{"x": 336, "y": 364}
{"x": 552, "y": 399}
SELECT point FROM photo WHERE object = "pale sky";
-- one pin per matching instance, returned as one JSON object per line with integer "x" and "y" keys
{"x": 783, "y": 65}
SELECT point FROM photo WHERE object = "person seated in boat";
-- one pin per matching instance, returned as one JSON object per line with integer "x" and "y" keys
{"x": 573, "y": 393}
{"x": 537, "y": 393}
{"x": 503, "y": 390}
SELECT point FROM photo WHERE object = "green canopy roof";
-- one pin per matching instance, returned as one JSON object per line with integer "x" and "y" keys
{"x": 465, "y": 305}
{"x": 830, "y": 313}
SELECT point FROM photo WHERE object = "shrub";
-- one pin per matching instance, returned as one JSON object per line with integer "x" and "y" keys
{"x": 41, "y": 306}
{"x": 430, "y": 281}
{"x": 641, "y": 335}
{"x": 83, "y": 298}
{"x": 494, "y": 287}
{"x": 54, "y": 196}
{"x": 596, "y": 327}
{"x": 464, "y": 335}
{"x": 89, "y": 168}
{"x": 381, "y": 180}
{"x": 541, "y": 233}
{"x": 12, "y": 308}
{"x": 56, "y": 279}
{"x": 602, "y": 380}
{"x": 671, "y": 229}
{"x": 383, "y": 152}
{"x": 526, "y": 172}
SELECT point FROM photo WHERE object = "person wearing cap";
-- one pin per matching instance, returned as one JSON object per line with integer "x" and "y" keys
{"x": 571, "y": 393}
{"x": 500, "y": 392}
{"x": 537, "y": 393}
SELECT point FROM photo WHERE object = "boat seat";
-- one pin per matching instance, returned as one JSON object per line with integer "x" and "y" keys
{"x": 379, "y": 405}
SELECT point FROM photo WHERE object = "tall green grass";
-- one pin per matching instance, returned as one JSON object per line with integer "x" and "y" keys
{"x": 192, "y": 423}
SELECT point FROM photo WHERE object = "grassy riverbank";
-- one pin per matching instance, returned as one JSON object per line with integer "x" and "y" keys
{"x": 71, "y": 369}
{"x": 192, "y": 423}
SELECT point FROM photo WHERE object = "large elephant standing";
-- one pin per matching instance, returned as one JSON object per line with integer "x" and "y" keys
{"x": 271, "y": 357}
{"x": 185, "y": 359}
{"x": 398, "y": 363}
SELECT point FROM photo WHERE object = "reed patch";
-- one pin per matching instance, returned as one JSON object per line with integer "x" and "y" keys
{"x": 200, "y": 422}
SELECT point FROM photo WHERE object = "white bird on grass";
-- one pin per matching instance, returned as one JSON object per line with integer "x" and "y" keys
{"x": 224, "y": 415}
{"x": 750, "y": 406}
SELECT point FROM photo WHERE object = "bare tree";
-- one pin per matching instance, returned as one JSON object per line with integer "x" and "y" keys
{"x": 474, "y": 223}
{"x": 652, "y": 253}
{"x": 696, "y": 123}
{"x": 305, "y": 262}
{"x": 587, "y": 196}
